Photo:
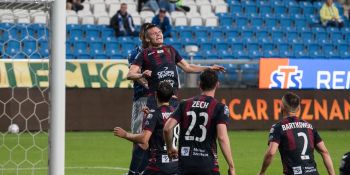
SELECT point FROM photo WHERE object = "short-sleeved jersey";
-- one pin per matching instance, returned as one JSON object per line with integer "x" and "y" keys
{"x": 139, "y": 90}
{"x": 162, "y": 62}
{"x": 345, "y": 164}
{"x": 198, "y": 118}
{"x": 159, "y": 160}
{"x": 297, "y": 140}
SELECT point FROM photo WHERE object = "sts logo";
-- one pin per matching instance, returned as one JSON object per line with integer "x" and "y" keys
{"x": 286, "y": 77}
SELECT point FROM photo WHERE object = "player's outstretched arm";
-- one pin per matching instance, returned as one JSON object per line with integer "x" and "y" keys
{"x": 141, "y": 138}
{"x": 271, "y": 151}
{"x": 168, "y": 137}
{"x": 224, "y": 143}
{"x": 192, "y": 68}
{"x": 327, "y": 160}
{"x": 134, "y": 73}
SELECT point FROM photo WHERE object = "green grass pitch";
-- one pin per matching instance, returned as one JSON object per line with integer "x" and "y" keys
{"x": 93, "y": 153}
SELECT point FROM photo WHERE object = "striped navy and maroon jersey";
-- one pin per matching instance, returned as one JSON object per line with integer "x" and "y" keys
{"x": 198, "y": 118}
{"x": 162, "y": 62}
{"x": 159, "y": 160}
{"x": 297, "y": 140}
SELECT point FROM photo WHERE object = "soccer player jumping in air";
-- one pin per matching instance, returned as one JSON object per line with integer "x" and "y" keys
{"x": 296, "y": 140}
{"x": 158, "y": 63}
{"x": 202, "y": 120}
{"x": 152, "y": 134}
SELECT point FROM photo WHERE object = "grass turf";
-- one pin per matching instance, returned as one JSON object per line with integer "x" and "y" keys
{"x": 91, "y": 153}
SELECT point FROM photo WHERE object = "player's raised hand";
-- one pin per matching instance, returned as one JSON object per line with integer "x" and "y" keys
{"x": 217, "y": 68}
{"x": 145, "y": 110}
{"x": 147, "y": 73}
{"x": 120, "y": 132}
{"x": 172, "y": 153}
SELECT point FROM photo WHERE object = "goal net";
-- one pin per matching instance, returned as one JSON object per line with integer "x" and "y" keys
{"x": 24, "y": 86}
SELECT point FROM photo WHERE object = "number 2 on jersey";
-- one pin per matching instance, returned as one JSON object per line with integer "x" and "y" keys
{"x": 202, "y": 126}
{"x": 303, "y": 156}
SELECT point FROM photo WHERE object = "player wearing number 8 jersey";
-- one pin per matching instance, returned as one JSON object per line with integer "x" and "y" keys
{"x": 296, "y": 140}
{"x": 152, "y": 134}
{"x": 202, "y": 120}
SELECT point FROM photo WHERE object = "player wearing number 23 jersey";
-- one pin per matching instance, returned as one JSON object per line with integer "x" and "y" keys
{"x": 296, "y": 140}
{"x": 203, "y": 120}
{"x": 198, "y": 118}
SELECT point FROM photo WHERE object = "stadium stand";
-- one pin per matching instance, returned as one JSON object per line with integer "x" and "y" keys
{"x": 229, "y": 30}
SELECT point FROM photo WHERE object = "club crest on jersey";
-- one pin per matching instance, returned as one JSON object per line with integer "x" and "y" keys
{"x": 151, "y": 53}
{"x": 185, "y": 151}
{"x": 297, "y": 170}
{"x": 286, "y": 77}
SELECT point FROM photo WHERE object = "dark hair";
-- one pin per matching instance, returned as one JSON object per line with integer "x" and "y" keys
{"x": 291, "y": 101}
{"x": 164, "y": 91}
{"x": 150, "y": 26}
{"x": 142, "y": 34}
{"x": 208, "y": 79}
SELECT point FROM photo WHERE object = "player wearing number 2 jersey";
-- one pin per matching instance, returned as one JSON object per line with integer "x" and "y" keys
{"x": 152, "y": 134}
{"x": 296, "y": 140}
{"x": 202, "y": 120}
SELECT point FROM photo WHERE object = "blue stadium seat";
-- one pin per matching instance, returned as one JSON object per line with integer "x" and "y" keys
{"x": 316, "y": 54}
{"x": 249, "y": 9}
{"x": 265, "y": 9}
{"x": 177, "y": 45}
{"x": 263, "y": 40}
{"x": 271, "y": 54}
{"x": 285, "y": 21}
{"x": 237, "y": 46}
{"x": 332, "y": 54}
{"x": 279, "y": 9}
{"x": 184, "y": 32}
{"x": 336, "y": 36}
{"x": 252, "y": 47}
{"x": 256, "y": 21}
{"x": 255, "y": 54}
{"x": 327, "y": 48}
{"x": 241, "y": 21}
{"x": 210, "y": 55}
{"x": 297, "y": 47}
{"x": 216, "y": 33}
{"x": 262, "y": 34}
{"x": 321, "y": 36}
{"x": 226, "y": 21}
{"x": 294, "y": 9}
{"x": 277, "y": 34}
{"x": 314, "y": 47}
{"x": 75, "y": 34}
{"x": 236, "y": 8}
{"x": 96, "y": 48}
{"x": 267, "y": 47}
{"x": 231, "y": 33}
{"x": 306, "y": 36}
{"x": 223, "y": 54}
{"x": 286, "y": 54}
{"x": 247, "y": 33}
{"x": 343, "y": 47}
{"x": 221, "y": 46}
{"x": 29, "y": 46}
{"x": 300, "y": 22}
{"x": 13, "y": 47}
{"x": 20, "y": 56}
{"x": 270, "y": 21}
{"x": 80, "y": 48}
{"x": 307, "y": 8}
{"x": 92, "y": 33}
{"x": 200, "y": 32}
{"x": 317, "y": 4}
{"x": 107, "y": 32}
{"x": 344, "y": 54}
{"x": 35, "y": 55}
{"x": 282, "y": 47}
